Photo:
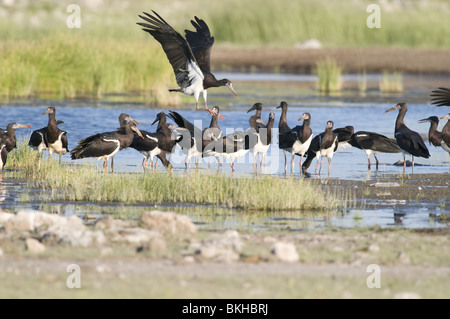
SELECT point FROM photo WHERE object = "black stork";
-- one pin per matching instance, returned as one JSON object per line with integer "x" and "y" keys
{"x": 344, "y": 134}
{"x": 103, "y": 146}
{"x": 373, "y": 143}
{"x": 233, "y": 145}
{"x": 3, "y": 157}
{"x": 190, "y": 57}
{"x": 408, "y": 140}
{"x": 38, "y": 140}
{"x": 197, "y": 140}
{"x": 434, "y": 136}
{"x": 255, "y": 120}
{"x": 446, "y": 131}
{"x": 297, "y": 140}
{"x": 8, "y": 136}
{"x": 282, "y": 124}
{"x": 264, "y": 138}
{"x": 328, "y": 145}
{"x": 440, "y": 97}
{"x": 156, "y": 144}
{"x": 56, "y": 138}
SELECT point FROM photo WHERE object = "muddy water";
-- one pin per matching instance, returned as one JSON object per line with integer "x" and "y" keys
{"x": 83, "y": 118}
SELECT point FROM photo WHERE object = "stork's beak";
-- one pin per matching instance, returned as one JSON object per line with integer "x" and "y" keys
{"x": 423, "y": 121}
{"x": 303, "y": 117}
{"x": 21, "y": 125}
{"x": 261, "y": 122}
{"x": 211, "y": 112}
{"x": 156, "y": 120}
{"x": 254, "y": 107}
{"x": 134, "y": 128}
{"x": 49, "y": 110}
{"x": 133, "y": 120}
{"x": 392, "y": 109}
{"x": 230, "y": 86}
{"x": 446, "y": 117}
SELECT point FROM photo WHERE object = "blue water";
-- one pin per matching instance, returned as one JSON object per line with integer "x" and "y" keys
{"x": 84, "y": 118}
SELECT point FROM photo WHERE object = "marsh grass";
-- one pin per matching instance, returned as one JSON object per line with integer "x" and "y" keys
{"x": 87, "y": 183}
{"x": 391, "y": 82}
{"x": 74, "y": 66}
{"x": 329, "y": 76}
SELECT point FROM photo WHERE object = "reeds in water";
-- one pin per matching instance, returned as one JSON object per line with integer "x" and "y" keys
{"x": 329, "y": 76}
{"x": 391, "y": 82}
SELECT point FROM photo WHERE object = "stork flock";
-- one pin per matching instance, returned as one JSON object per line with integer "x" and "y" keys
{"x": 190, "y": 58}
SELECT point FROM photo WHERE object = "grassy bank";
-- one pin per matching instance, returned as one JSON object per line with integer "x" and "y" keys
{"x": 110, "y": 54}
{"x": 76, "y": 66}
{"x": 86, "y": 183}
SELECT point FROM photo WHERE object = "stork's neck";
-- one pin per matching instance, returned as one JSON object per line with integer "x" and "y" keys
{"x": 10, "y": 130}
{"x": 307, "y": 122}
{"x": 214, "y": 122}
{"x": 401, "y": 115}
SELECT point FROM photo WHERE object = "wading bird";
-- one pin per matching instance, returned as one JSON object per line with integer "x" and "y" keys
{"x": 197, "y": 140}
{"x": 38, "y": 140}
{"x": 8, "y": 136}
{"x": 264, "y": 135}
{"x": 56, "y": 138}
{"x": 159, "y": 143}
{"x": 3, "y": 157}
{"x": 297, "y": 140}
{"x": 190, "y": 57}
{"x": 373, "y": 143}
{"x": 408, "y": 140}
{"x": 446, "y": 132}
{"x": 103, "y": 146}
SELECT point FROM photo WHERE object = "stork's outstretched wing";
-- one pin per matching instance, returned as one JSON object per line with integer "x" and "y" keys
{"x": 441, "y": 97}
{"x": 200, "y": 42}
{"x": 174, "y": 45}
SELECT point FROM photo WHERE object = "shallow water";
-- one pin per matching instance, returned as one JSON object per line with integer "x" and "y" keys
{"x": 83, "y": 118}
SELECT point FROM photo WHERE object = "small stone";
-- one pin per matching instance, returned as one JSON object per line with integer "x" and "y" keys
{"x": 285, "y": 252}
{"x": 403, "y": 258}
{"x": 374, "y": 248}
{"x": 168, "y": 223}
{"x": 34, "y": 246}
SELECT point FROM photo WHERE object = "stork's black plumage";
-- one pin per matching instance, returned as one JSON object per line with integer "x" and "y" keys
{"x": 264, "y": 136}
{"x": 446, "y": 133}
{"x": 434, "y": 136}
{"x": 38, "y": 139}
{"x": 441, "y": 97}
{"x": 255, "y": 120}
{"x": 343, "y": 136}
{"x": 233, "y": 145}
{"x": 297, "y": 140}
{"x": 408, "y": 140}
{"x": 106, "y": 145}
{"x": 194, "y": 139}
{"x": 8, "y": 136}
{"x": 3, "y": 157}
{"x": 328, "y": 144}
{"x": 282, "y": 124}
{"x": 159, "y": 143}
{"x": 56, "y": 138}
{"x": 373, "y": 143}
{"x": 189, "y": 57}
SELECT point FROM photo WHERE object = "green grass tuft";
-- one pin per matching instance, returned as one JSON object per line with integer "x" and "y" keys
{"x": 86, "y": 183}
{"x": 329, "y": 76}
